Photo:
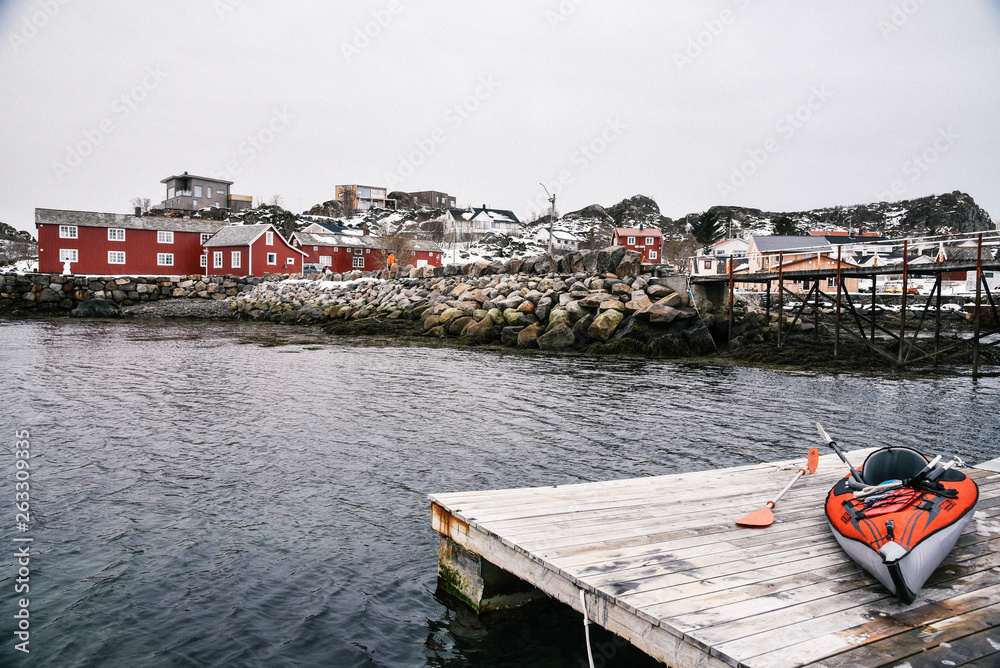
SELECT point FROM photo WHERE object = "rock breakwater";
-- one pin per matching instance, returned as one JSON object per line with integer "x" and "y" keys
{"x": 597, "y": 313}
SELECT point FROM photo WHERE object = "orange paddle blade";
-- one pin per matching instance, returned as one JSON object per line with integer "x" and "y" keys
{"x": 812, "y": 461}
{"x": 763, "y": 517}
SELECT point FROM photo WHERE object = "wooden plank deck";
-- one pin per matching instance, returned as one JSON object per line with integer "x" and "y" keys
{"x": 662, "y": 564}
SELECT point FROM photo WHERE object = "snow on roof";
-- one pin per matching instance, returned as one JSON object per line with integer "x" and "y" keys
{"x": 775, "y": 243}
{"x": 639, "y": 232}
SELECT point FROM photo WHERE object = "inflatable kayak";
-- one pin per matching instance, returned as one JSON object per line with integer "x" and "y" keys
{"x": 900, "y": 515}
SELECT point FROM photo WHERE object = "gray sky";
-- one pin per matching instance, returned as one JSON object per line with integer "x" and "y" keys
{"x": 775, "y": 105}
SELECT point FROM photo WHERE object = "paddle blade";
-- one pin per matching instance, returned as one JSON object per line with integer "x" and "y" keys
{"x": 822, "y": 433}
{"x": 812, "y": 461}
{"x": 762, "y": 517}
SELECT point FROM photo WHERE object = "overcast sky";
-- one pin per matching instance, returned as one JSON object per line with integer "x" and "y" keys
{"x": 775, "y": 105}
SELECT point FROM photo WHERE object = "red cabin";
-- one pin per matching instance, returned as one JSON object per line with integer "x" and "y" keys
{"x": 112, "y": 243}
{"x": 645, "y": 240}
{"x": 251, "y": 250}
{"x": 346, "y": 252}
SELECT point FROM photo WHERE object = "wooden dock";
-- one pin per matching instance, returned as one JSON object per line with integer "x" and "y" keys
{"x": 663, "y": 565}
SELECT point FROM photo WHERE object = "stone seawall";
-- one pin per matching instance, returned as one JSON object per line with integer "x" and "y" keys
{"x": 58, "y": 293}
{"x": 598, "y": 313}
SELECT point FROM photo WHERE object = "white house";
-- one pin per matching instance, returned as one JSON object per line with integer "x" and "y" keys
{"x": 714, "y": 260}
{"x": 562, "y": 240}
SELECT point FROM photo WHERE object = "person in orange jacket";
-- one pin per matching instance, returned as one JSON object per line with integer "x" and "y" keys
{"x": 391, "y": 260}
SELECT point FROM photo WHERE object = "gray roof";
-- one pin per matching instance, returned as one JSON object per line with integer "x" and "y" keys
{"x": 185, "y": 175}
{"x": 238, "y": 235}
{"x": 125, "y": 221}
{"x": 774, "y": 243}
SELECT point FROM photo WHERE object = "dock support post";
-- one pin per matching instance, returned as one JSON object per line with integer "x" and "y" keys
{"x": 979, "y": 297}
{"x": 781, "y": 294}
{"x": 471, "y": 579}
{"x": 902, "y": 310}
{"x": 874, "y": 304}
{"x": 836, "y": 338}
{"x": 937, "y": 319}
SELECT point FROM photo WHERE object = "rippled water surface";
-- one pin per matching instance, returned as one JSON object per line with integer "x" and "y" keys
{"x": 202, "y": 500}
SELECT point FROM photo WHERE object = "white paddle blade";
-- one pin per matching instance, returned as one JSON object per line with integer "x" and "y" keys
{"x": 822, "y": 432}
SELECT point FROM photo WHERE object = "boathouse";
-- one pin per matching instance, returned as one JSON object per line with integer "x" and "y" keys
{"x": 250, "y": 250}
{"x": 113, "y": 243}
{"x": 347, "y": 252}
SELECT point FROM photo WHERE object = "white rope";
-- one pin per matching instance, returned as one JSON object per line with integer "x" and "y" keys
{"x": 586, "y": 629}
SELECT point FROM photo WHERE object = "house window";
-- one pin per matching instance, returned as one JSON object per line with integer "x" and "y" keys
{"x": 116, "y": 234}
{"x": 649, "y": 241}
{"x": 630, "y": 241}
{"x": 326, "y": 260}
{"x": 217, "y": 259}
{"x": 359, "y": 263}
{"x": 203, "y": 262}
{"x": 204, "y": 238}
{"x": 358, "y": 251}
{"x": 652, "y": 255}
{"x": 67, "y": 231}
{"x": 368, "y": 250}
{"x": 315, "y": 248}
{"x": 68, "y": 255}
{"x": 708, "y": 264}
{"x": 336, "y": 249}
{"x": 194, "y": 203}
{"x": 197, "y": 191}
{"x": 165, "y": 259}
{"x": 208, "y": 192}
{"x": 235, "y": 259}
{"x": 164, "y": 237}
{"x": 116, "y": 257}
{"x": 290, "y": 260}
{"x": 272, "y": 258}
{"x": 831, "y": 282}
{"x": 269, "y": 238}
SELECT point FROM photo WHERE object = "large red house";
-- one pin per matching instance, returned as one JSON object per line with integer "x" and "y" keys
{"x": 251, "y": 250}
{"x": 112, "y": 243}
{"x": 645, "y": 240}
{"x": 346, "y": 252}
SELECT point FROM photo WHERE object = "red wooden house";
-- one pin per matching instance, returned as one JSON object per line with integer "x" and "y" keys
{"x": 111, "y": 243}
{"x": 645, "y": 240}
{"x": 345, "y": 252}
{"x": 251, "y": 250}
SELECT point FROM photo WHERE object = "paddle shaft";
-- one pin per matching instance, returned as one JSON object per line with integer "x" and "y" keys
{"x": 856, "y": 478}
{"x": 798, "y": 475}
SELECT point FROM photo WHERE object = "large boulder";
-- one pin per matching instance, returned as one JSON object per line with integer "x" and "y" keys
{"x": 559, "y": 337}
{"x": 96, "y": 308}
{"x": 528, "y": 337}
{"x": 605, "y": 324}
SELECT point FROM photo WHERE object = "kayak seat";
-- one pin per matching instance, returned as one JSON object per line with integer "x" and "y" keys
{"x": 892, "y": 464}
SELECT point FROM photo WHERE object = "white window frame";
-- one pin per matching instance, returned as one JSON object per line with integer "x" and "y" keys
{"x": 272, "y": 258}
{"x": 197, "y": 191}
{"x": 217, "y": 260}
{"x": 69, "y": 255}
{"x": 358, "y": 262}
{"x": 164, "y": 237}
{"x": 116, "y": 234}
{"x": 236, "y": 259}
{"x": 164, "y": 259}
{"x": 630, "y": 241}
{"x": 269, "y": 238}
{"x": 358, "y": 251}
{"x": 208, "y": 192}
{"x": 290, "y": 260}
{"x": 649, "y": 241}
{"x": 205, "y": 237}
{"x": 116, "y": 257}
{"x": 203, "y": 262}
{"x": 652, "y": 254}
{"x": 68, "y": 232}
{"x": 326, "y": 260}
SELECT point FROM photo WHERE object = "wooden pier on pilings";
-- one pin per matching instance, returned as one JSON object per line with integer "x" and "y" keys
{"x": 662, "y": 564}
{"x": 900, "y": 347}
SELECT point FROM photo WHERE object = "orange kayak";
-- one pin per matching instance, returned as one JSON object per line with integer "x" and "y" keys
{"x": 901, "y": 527}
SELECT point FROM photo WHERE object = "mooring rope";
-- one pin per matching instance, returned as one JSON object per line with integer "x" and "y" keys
{"x": 586, "y": 629}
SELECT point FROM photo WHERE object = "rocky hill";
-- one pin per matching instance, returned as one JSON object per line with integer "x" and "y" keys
{"x": 16, "y": 245}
